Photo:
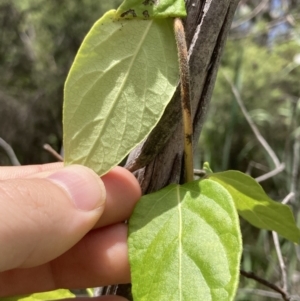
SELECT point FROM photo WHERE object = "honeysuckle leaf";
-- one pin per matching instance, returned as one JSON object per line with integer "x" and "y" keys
{"x": 185, "y": 244}
{"x": 256, "y": 207}
{"x": 146, "y": 9}
{"x": 123, "y": 77}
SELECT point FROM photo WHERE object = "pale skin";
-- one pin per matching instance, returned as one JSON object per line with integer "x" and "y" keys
{"x": 49, "y": 241}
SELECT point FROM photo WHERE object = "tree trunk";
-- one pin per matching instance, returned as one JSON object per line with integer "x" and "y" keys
{"x": 158, "y": 161}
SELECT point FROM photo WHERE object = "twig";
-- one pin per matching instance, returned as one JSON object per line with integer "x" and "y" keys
{"x": 254, "y": 128}
{"x": 278, "y": 166}
{"x": 288, "y": 198}
{"x": 264, "y": 293}
{"x": 9, "y": 152}
{"x": 252, "y": 15}
{"x": 278, "y": 250}
{"x": 271, "y": 173}
{"x": 53, "y": 152}
{"x": 256, "y": 165}
{"x": 260, "y": 292}
{"x": 290, "y": 19}
{"x": 281, "y": 261}
{"x": 295, "y": 166}
{"x": 185, "y": 98}
{"x": 251, "y": 275}
{"x": 199, "y": 172}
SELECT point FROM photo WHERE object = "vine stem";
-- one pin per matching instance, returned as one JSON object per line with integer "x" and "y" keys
{"x": 53, "y": 152}
{"x": 266, "y": 283}
{"x": 10, "y": 152}
{"x": 185, "y": 98}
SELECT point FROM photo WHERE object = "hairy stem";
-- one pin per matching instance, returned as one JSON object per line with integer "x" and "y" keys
{"x": 185, "y": 98}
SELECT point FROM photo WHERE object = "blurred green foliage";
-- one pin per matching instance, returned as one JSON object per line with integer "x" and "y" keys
{"x": 264, "y": 66}
{"x": 38, "y": 42}
{"x": 270, "y": 90}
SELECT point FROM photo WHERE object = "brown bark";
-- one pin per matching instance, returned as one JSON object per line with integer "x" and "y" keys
{"x": 159, "y": 160}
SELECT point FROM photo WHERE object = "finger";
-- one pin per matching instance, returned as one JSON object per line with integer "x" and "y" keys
{"x": 107, "y": 261}
{"x": 99, "y": 259}
{"x": 123, "y": 192}
{"x": 12, "y": 172}
{"x": 42, "y": 218}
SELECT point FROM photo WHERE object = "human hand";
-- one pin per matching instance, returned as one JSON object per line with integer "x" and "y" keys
{"x": 46, "y": 214}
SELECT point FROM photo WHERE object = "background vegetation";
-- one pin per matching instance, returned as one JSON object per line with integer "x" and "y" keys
{"x": 38, "y": 42}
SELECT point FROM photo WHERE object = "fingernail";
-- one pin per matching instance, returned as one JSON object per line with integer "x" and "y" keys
{"x": 85, "y": 187}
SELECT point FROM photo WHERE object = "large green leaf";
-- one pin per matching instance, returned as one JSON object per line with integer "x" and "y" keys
{"x": 256, "y": 207}
{"x": 185, "y": 244}
{"x": 52, "y": 295}
{"x": 123, "y": 76}
{"x": 151, "y": 9}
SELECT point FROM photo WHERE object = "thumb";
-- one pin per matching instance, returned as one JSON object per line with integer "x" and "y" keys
{"x": 43, "y": 216}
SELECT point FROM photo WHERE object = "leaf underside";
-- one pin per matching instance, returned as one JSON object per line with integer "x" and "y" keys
{"x": 123, "y": 77}
{"x": 185, "y": 244}
{"x": 256, "y": 207}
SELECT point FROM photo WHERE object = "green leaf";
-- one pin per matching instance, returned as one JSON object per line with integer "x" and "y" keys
{"x": 185, "y": 244}
{"x": 123, "y": 77}
{"x": 256, "y": 207}
{"x": 52, "y": 295}
{"x": 146, "y": 9}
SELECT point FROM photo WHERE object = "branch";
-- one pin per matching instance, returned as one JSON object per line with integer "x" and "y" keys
{"x": 288, "y": 198}
{"x": 252, "y": 15}
{"x": 254, "y": 128}
{"x": 271, "y": 173}
{"x": 256, "y": 165}
{"x": 158, "y": 161}
{"x": 199, "y": 172}
{"x": 278, "y": 166}
{"x": 280, "y": 259}
{"x": 295, "y": 166}
{"x": 251, "y": 275}
{"x": 278, "y": 250}
{"x": 9, "y": 152}
{"x": 53, "y": 152}
{"x": 264, "y": 293}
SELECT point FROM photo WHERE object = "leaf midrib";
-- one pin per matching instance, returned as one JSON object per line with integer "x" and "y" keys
{"x": 93, "y": 146}
{"x": 179, "y": 243}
